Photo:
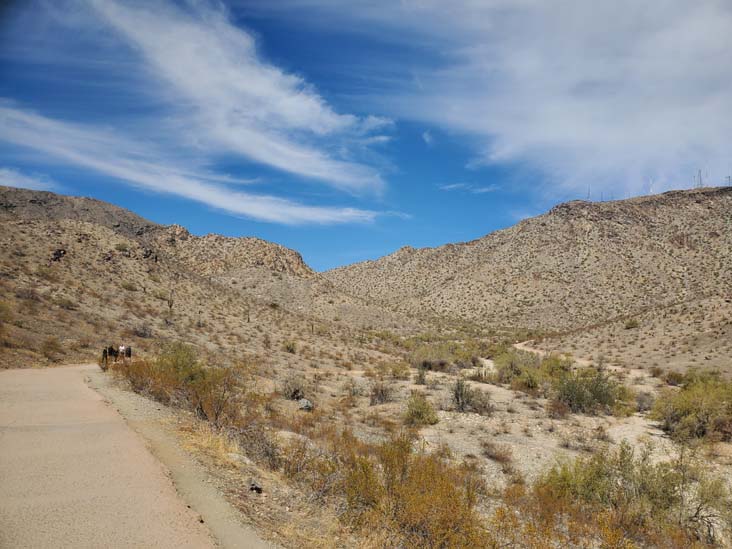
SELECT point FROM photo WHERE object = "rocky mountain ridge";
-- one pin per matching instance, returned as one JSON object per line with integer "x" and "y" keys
{"x": 579, "y": 264}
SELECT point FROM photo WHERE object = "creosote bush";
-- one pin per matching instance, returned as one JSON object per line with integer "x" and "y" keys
{"x": 701, "y": 408}
{"x": 439, "y": 356}
{"x": 618, "y": 498}
{"x": 419, "y": 410}
{"x": 466, "y": 399}
{"x": 591, "y": 391}
{"x": 420, "y": 377}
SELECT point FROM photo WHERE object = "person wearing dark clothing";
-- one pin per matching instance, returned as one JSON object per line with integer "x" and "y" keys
{"x": 105, "y": 356}
{"x": 128, "y": 352}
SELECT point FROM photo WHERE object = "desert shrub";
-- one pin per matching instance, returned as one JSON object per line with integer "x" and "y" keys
{"x": 215, "y": 394}
{"x": 636, "y": 499}
{"x": 142, "y": 330}
{"x": 259, "y": 443}
{"x": 436, "y": 358}
{"x": 701, "y": 408}
{"x": 129, "y": 286}
{"x": 631, "y": 324}
{"x": 121, "y": 247}
{"x": 467, "y": 399}
{"x": 399, "y": 370}
{"x": 673, "y": 378}
{"x": 589, "y": 391}
{"x": 380, "y": 393}
{"x": 500, "y": 453}
{"x": 179, "y": 377}
{"x": 293, "y": 387}
{"x": 656, "y": 371}
{"x": 406, "y": 498}
{"x": 51, "y": 348}
{"x": 392, "y": 494}
{"x": 461, "y": 395}
{"x": 441, "y": 355}
{"x": 556, "y": 409}
{"x": 528, "y": 373}
{"x": 644, "y": 401}
{"x": 419, "y": 410}
{"x": 420, "y": 377}
{"x": 289, "y": 347}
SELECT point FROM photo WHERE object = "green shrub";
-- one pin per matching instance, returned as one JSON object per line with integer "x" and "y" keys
{"x": 643, "y": 499}
{"x": 590, "y": 391}
{"x": 466, "y": 399}
{"x": 421, "y": 376}
{"x": 419, "y": 410}
{"x": 129, "y": 286}
{"x": 289, "y": 347}
{"x": 701, "y": 408}
{"x": 439, "y": 356}
{"x": 399, "y": 370}
{"x": 528, "y": 373}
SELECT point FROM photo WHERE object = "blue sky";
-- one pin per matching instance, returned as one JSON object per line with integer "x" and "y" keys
{"x": 348, "y": 130}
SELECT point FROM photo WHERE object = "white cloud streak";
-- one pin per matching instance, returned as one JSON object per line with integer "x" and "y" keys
{"x": 607, "y": 93}
{"x": 470, "y": 188}
{"x": 122, "y": 159}
{"x": 232, "y": 100}
{"x": 11, "y": 177}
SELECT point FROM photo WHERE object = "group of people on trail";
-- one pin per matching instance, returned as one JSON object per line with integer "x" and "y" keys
{"x": 123, "y": 352}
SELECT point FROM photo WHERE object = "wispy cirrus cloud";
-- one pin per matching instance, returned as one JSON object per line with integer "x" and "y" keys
{"x": 38, "y": 182}
{"x": 141, "y": 165}
{"x": 470, "y": 188}
{"x": 193, "y": 90}
{"x": 232, "y": 99}
{"x": 614, "y": 93}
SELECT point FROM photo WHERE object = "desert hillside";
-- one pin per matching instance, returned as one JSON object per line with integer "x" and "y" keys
{"x": 123, "y": 278}
{"x": 580, "y": 264}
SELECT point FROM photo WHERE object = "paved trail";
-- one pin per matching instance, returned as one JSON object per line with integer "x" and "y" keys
{"x": 73, "y": 474}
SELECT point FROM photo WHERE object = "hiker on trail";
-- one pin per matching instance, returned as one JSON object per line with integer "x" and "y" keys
{"x": 128, "y": 352}
{"x": 122, "y": 352}
{"x": 112, "y": 352}
{"x": 105, "y": 357}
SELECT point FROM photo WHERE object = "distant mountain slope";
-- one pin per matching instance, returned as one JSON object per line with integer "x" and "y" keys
{"x": 123, "y": 278}
{"x": 579, "y": 264}
{"x": 207, "y": 255}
